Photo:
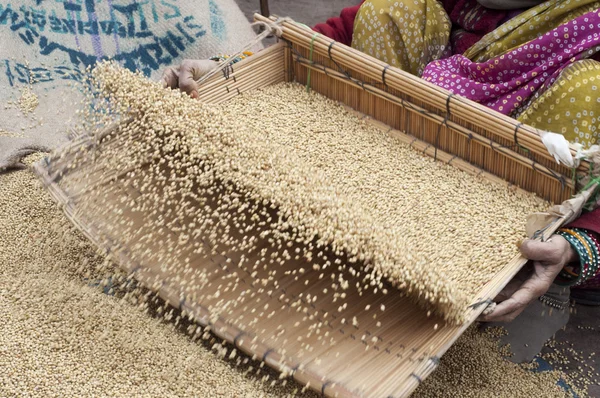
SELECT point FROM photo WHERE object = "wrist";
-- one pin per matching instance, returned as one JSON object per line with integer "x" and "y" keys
{"x": 572, "y": 255}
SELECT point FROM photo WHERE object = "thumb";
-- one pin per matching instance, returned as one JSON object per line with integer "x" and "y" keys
{"x": 191, "y": 71}
{"x": 541, "y": 251}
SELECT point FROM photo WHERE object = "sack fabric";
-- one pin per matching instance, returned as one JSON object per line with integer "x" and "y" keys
{"x": 45, "y": 46}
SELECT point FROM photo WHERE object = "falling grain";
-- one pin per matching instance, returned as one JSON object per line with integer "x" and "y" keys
{"x": 434, "y": 232}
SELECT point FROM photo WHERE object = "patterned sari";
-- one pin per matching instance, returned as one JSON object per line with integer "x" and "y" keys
{"x": 537, "y": 66}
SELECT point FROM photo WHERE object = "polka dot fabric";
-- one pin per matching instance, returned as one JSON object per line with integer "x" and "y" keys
{"x": 407, "y": 34}
{"x": 528, "y": 26}
{"x": 513, "y": 82}
{"x": 571, "y": 106}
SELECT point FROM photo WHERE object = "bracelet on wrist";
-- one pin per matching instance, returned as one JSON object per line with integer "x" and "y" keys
{"x": 587, "y": 248}
{"x": 592, "y": 271}
{"x": 571, "y": 274}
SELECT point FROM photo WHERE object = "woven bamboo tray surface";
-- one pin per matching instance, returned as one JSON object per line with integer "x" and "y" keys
{"x": 353, "y": 360}
{"x": 485, "y": 138}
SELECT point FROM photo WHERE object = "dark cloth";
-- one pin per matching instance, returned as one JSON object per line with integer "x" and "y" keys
{"x": 509, "y": 4}
{"x": 340, "y": 28}
{"x": 589, "y": 221}
{"x": 470, "y": 20}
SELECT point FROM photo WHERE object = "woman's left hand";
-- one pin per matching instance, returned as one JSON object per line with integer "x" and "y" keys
{"x": 184, "y": 76}
{"x": 547, "y": 260}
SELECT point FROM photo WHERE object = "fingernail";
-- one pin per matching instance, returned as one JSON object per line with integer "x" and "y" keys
{"x": 194, "y": 94}
{"x": 519, "y": 243}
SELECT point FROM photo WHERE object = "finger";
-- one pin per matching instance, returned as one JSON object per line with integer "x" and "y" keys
{"x": 507, "y": 292}
{"x": 515, "y": 283}
{"x": 531, "y": 290}
{"x": 548, "y": 252}
{"x": 501, "y": 318}
{"x": 503, "y": 296}
{"x": 170, "y": 77}
{"x": 190, "y": 71}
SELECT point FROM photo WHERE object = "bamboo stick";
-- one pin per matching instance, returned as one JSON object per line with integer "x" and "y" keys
{"x": 559, "y": 167}
{"x": 454, "y": 126}
{"x": 264, "y": 77}
{"x": 263, "y": 58}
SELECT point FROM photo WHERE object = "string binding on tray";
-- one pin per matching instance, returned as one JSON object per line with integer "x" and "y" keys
{"x": 370, "y": 87}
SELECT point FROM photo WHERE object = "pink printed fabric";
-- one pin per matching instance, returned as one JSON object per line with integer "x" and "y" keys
{"x": 590, "y": 284}
{"x": 505, "y": 83}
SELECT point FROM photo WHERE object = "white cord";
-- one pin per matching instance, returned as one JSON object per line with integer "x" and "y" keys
{"x": 270, "y": 28}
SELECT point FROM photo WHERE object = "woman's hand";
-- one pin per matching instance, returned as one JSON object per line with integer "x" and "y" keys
{"x": 184, "y": 76}
{"x": 547, "y": 260}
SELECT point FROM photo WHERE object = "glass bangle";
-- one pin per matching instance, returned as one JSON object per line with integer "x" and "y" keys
{"x": 564, "y": 278}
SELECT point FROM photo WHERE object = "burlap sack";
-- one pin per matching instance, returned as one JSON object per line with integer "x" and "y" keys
{"x": 46, "y": 44}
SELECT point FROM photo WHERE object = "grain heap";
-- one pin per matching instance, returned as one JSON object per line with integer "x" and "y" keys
{"x": 474, "y": 368}
{"x": 61, "y": 337}
{"x": 298, "y": 168}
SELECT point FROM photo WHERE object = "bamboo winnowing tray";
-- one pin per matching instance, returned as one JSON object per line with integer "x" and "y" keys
{"x": 394, "y": 360}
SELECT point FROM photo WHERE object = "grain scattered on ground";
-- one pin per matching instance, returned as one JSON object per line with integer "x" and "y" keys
{"x": 61, "y": 336}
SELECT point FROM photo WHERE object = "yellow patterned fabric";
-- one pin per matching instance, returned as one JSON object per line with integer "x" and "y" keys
{"x": 571, "y": 106}
{"x": 528, "y": 26}
{"x": 404, "y": 34}
{"x": 546, "y": 80}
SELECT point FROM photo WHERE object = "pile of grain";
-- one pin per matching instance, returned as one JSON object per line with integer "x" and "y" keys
{"x": 474, "y": 368}
{"x": 59, "y": 337}
{"x": 436, "y": 233}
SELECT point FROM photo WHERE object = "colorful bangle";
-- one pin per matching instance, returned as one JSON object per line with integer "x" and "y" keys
{"x": 587, "y": 247}
{"x": 565, "y": 278}
{"x": 583, "y": 237}
{"x": 587, "y": 244}
{"x": 593, "y": 269}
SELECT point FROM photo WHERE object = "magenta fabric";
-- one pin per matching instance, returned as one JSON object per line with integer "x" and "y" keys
{"x": 591, "y": 284}
{"x": 506, "y": 82}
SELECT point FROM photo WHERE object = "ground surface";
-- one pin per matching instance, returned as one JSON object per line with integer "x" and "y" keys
{"x": 309, "y": 12}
